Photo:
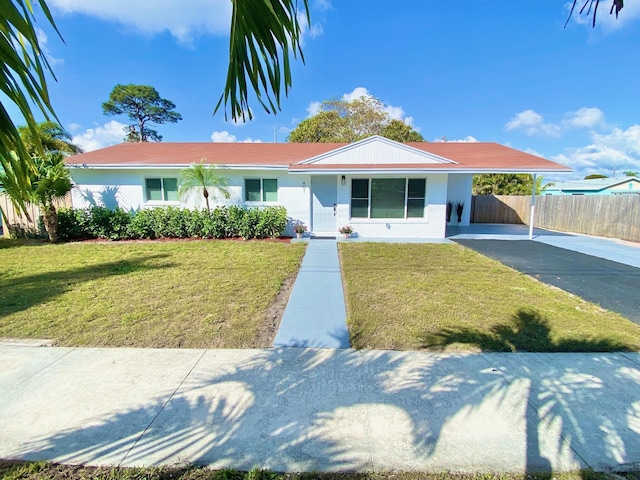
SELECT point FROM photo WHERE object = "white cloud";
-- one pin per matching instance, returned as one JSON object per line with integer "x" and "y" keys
{"x": 584, "y": 118}
{"x": 322, "y": 5}
{"x": 532, "y": 123}
{"x": 531, "y": 151}
{"x": 468, "y": 138}
{"x": 606, "y": 23}
{"x": 356, "y": 94}
{"x": 43, "y": 40}
{"x": 395, "y": 113}
{"x": 226, "y": 137}
{"x": 184, "y": 19}
{"x": 616, "y": 151}
{"x": 99, "y": 137}
{"x": 307, "y": 30}
{"x": 314, "y": 108}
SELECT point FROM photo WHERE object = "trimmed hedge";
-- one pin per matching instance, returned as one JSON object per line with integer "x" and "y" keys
{"x": 171, "y": 222}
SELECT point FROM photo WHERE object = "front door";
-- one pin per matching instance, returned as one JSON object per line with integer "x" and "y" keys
{"x": 324, "y": 191}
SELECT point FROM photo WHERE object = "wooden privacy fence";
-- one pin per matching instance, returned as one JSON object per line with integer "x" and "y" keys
{"x": 615, "y": 216}
{"x": 15, "y": 218}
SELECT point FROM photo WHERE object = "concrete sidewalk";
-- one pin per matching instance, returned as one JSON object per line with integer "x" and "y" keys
{"x": 316, "y": 315}
{"x": 320, "y": 409}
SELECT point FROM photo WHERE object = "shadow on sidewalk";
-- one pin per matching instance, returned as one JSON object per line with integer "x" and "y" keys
{"x": 344, "y": 410}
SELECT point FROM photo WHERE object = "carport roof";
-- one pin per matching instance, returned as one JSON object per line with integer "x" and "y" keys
{"x": 460, "y": 156}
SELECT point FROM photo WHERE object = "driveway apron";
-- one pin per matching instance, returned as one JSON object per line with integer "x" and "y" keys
{"x": 611, "y": 285}
{"x": 316, "y": 315}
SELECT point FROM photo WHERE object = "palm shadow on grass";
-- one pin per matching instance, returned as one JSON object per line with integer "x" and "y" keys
{"x": 20, "y": 293}
{"x": 528, "y": 331}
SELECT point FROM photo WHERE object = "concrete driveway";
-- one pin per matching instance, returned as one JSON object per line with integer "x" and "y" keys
{"x": 610, "y": 284}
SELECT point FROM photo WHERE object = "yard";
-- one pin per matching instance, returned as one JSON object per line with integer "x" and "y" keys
{"x": 447, "y": 297}
{"x": 190, "y": 294}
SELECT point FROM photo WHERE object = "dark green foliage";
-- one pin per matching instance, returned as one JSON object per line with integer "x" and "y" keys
{"x": 73, "y": 224}
{"x": 171, "y": 222}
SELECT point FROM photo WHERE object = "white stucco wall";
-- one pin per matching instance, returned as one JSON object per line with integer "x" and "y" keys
{"x": 459, "y": 190}
{"x": 431, "y": 226}
{"x": 125, "y": 188}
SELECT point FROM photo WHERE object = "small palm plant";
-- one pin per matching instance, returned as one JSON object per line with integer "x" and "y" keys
{"x": 201, "y": 177}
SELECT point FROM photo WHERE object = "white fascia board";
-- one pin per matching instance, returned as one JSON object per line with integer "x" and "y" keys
{"x": 145, "y": 166}
{"x": 413, "y": 171}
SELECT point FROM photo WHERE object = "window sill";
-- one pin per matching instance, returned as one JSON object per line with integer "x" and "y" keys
{"x": 161, "y": 203}
{"x": 382, "y": 221}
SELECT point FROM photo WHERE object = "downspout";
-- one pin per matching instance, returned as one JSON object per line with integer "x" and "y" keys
{"x": 533, "y": 206}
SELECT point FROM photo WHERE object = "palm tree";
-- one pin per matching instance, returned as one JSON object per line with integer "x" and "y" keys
{"x": 51, "y": 182}
{"x": 201, "y": 177}
{"x": 262, "y": 31}
{"x": 50, "y": 135}
{"x": 23, "y": 82}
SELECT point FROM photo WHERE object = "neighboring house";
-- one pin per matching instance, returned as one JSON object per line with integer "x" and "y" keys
{"x": 380, "y": 187}
{"x": 596, "y": 186}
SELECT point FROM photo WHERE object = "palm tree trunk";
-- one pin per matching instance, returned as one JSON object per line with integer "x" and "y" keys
{"x": 50, "y": 217}
{"x": 205, "y": 194}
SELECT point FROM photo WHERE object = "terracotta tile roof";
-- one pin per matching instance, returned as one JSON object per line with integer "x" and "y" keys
{"x": 179, "y": 153}
{"x": 476, "y": 156}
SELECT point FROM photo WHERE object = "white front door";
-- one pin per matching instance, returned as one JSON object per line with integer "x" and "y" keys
{"x": 324, "y": 189}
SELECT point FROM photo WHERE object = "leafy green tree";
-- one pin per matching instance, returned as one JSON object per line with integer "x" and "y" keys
{"x": 349, "y": 121}
{"x": 593, "y": 176}
{"x": 502, "y": 184}
{"x": 631, "y": 173}
{"x": 201, "y": 177}
{"x": 400, "y": 132}
{"x": 144, "y": 106}
{"x": 325, "y": 127}
{"x": 51, "y": 136}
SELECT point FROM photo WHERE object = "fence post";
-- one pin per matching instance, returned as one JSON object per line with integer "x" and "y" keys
{"x": 532, "y": 215}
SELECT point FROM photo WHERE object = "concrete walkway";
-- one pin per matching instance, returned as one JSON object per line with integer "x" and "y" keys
{"x": 320, "y": 409}
{"x": 315, "y": 315}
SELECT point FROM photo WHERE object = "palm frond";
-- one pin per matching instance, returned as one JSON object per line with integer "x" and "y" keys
{"x": 23, "y": 82}
{"x": 263, "y": 34}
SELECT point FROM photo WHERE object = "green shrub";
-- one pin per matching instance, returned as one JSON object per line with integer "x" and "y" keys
{"x": 73, "y": 224}
{"x": 171, "y": 222}
{"x": 109, "y": 224}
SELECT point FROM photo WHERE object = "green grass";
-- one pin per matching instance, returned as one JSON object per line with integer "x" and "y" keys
{"x": 447, "y": 297}
{"x": 192, "y": 294}
{"x": 50, "y": 471}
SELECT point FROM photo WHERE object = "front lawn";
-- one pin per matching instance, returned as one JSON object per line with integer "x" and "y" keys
{"x": 191, "y": 294}
{"x": 447, "y": 297}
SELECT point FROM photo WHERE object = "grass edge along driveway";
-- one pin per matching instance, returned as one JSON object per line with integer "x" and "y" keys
{"x": 450, "y": 298}
{"x": 188, "y": 294}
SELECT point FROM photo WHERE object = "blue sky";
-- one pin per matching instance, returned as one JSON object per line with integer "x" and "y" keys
{"x": 485, "y": 70}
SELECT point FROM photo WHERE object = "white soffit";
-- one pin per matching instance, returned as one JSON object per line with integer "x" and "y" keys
{"x": 376, "y": 151}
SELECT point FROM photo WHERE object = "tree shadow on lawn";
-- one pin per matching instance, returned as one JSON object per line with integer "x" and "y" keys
{"x": 21, "y": 293}
{"x": 344, "y": 410}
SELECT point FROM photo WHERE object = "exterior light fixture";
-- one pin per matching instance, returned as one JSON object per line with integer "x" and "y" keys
{"x": 343, "y": 180}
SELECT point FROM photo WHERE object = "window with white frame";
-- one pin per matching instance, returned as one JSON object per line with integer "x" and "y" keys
{"x": 260, "y": 190}
{"x": 164, "y": 189}
{"x": 388, "y": 197}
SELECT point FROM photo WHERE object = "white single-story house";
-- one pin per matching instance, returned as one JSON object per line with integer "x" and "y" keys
{"x": 596, "y": 186}
{"x": 379, "y": 187}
